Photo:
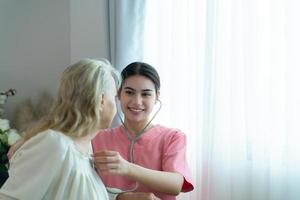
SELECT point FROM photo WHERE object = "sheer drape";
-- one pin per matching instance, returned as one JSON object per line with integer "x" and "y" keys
{"x": 126, "y": 34}
{"x": 126, "y": 31}
{"x": 230, "y": 77}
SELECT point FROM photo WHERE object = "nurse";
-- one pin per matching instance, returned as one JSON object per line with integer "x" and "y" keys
{"x": 140, "y": 156}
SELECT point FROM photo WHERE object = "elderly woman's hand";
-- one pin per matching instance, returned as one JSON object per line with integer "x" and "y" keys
{"x": 15, "y": 147}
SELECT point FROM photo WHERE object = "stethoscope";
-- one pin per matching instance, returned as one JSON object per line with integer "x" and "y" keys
{"x": 133, "y": 140}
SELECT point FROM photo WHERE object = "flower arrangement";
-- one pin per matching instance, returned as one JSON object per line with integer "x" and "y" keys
{"x": 8, "y": 137}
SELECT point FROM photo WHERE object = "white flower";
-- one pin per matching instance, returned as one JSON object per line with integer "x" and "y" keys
{"x": 3, "y": 99}
{"x": 4, "y": 124}
{"x": 13, "y": 136}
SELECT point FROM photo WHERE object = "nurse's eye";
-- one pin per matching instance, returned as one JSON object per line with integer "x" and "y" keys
{"x": 129, "y": 92}
{"x": 146, "y": 94}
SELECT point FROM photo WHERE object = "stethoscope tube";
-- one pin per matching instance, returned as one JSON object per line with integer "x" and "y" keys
{"x": 132, "y": 142}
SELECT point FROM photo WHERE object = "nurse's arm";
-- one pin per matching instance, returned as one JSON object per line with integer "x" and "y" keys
{"x": 160, "y": 181}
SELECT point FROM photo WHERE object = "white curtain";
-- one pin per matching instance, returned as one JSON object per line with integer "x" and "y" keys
{"x": 230, "y": 74}
{"x": 126, "y": 34}
{"x": 126, "y": 31}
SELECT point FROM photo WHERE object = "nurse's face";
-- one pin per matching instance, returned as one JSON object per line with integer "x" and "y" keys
{"x": 137, "y": 98}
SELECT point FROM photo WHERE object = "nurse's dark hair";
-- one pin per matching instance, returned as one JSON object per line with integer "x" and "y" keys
{"x": 143, "y": 69}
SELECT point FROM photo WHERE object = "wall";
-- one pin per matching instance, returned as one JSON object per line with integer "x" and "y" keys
{"x": 89, "y": 32}
{"x": 38, "y": 39}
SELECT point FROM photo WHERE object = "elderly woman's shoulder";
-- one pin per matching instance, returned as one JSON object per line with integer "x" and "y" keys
{"x": 50, "y": 138}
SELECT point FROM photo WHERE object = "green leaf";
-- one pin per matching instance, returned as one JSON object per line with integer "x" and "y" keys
{"x": 4, "y": 138}
{"x": 3, "y": 168}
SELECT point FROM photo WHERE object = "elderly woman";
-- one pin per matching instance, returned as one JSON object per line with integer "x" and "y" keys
{"x": 54, "y": 162}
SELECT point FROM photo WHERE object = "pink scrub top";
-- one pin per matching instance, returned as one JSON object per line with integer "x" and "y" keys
{"x": 159, "y": 148}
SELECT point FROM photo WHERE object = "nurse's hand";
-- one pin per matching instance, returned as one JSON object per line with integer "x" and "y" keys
{"x": 137, "y": 196}
{"x": 15, "y": 147}
{"x": 111, "y": 162}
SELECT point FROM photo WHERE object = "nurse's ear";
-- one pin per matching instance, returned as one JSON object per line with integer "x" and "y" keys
{"x": 119, "y": 93}
{"x": 157, "y": 96}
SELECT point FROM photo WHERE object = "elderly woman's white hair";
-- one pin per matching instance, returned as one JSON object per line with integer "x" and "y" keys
{"x": 75, "y": 112}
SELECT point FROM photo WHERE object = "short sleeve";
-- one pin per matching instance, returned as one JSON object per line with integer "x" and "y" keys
{"x": 34, "y": 166}
{"x": 174, "y": 159}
